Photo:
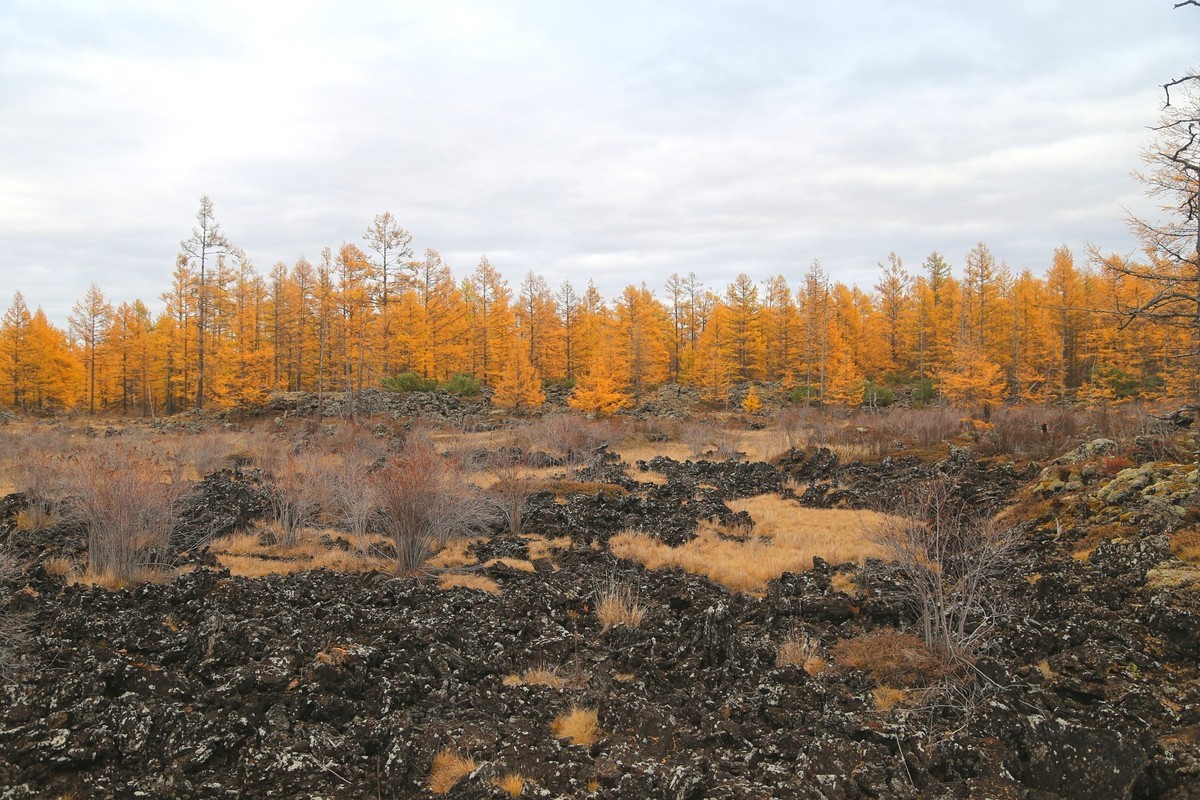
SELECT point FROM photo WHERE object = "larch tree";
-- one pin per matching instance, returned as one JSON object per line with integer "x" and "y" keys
{"x": 602, "y": 389}
{"x": 519, "y": 389}
{"x": 892, "y": 291}
{"x": 16, "y": 354}
{"x": 392, "y": 246}
{"x": 206, "y": 244}
{"x": 489, "y": 300}
{"x": 89, "y": 321}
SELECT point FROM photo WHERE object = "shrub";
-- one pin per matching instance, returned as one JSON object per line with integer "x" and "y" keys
{"x": 803, "y": 393}
{"x": 124, "y": 497}
{"x": 877, "y": 396}
{"x": 801, "y": 651}
{"x": 299, "y": 482}
{"x": 463, "y": 385}
{"x": 950, "y": 557}
{"x": 409, "y": 382}
{"x": 560, "y": 383}
{"x": 425, "y": 501}
{"x": 515, "y": 481}
{"x": 12, "y": 632}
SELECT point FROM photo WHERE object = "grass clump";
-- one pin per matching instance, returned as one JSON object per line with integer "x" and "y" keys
{"x": 479, "y": 583}
{"x": 802, "y": 651}
{"x": 510, "y": 783}
{"x": 785, "y": 538}
{"x": 617, "y": 604}
{"x": 579, "y": 726}
{"x": 892, "y": 658}
{"x": 448, "y": 768}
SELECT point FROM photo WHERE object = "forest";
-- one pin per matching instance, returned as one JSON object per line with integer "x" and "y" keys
{"x": 372, "y": 314}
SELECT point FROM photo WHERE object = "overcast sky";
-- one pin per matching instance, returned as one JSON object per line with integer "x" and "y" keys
{"x": 620, "y": 141}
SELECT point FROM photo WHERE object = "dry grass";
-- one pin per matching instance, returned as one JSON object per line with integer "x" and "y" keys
{"x": 648, "y": 476}
{"x": 802, "y": 651}
{"x": 888, "y": 697}
{"x": 785, "y": 538}
{"x": 579, "y": 726}
{"x": 846, "y": 583}
{"x": 519, "y": 564}
{"x": 479, "y": 583}
{"x": 449, "y": 767}
{"x": 540, "y": 547}
{"x": 634, "y": 451}
{"x": 617, "y": 604}
{"x": 35, "y": 518}
{"x": 246, "y": 555}
{"x": 537, "y": 676}
{"x": 892, "y": 658}
{"x": 510, "y": 783}
{"x": 60, "y": 566}
{"x": 454, "y": 554}
{"x": 1186, "y": 545}
{"x": 114, "y": 582}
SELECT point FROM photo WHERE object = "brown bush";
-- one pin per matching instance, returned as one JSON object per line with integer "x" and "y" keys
{"x": 12, "y": 629}
{"x": 950, "y": 558}
{"x": 515, "y": 480}
{"x": 299, "y": 482}
{"x": 892, "y": 658}
{"x": 127, "y": 501}
{"x": 425, "y": 500}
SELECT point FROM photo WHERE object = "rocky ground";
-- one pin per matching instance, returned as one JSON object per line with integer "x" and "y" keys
{"x": 329, "y": 685}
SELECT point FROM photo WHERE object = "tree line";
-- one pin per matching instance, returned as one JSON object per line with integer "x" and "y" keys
{"x": 228, "y": 335}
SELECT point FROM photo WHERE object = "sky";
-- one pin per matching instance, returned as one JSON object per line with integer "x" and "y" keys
{"x": 617, "y": 141}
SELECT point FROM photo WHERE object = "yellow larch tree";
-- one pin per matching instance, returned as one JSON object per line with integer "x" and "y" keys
{"x": 602, "y": 389}
{"x": 642, "y": 333}
{"x": 519, "y": 389}
{"x": 489, "y": 307}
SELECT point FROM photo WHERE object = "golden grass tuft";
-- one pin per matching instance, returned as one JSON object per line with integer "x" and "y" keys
{"x": 579, "y": 726}
{"x": 247, "y": 555}
{"x": 454, "y": 554}
{"x": 114, "y": 582}
{"x": 537, "y": 676}
{"x": 510, "y": 783}
{"x": 617, "y": 604}
{"x": 519, "y": 564}
{"x": 785, "y": 538}
{"x": 887, "y": 697}
{"x": 801, "y": 651}
{"x": 449, "y": 767}
{"x": 846, "y": 583}
{"x": 540, "y": 547}
{"x": 60, "y": 566}
{"x": 35, "y": 518}
{"x": 480, "y": 583}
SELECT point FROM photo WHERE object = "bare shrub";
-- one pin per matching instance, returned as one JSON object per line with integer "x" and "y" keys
{"x": 790, "y": 424}
{"x": 425, "y": 501}
{"x": 705, "y": 439}
{"x": 126, "y": 499}
{"x": 515, "y": 481}
{"x": 569, "y": 437}
{"x": 299, "y": 481}
{"x": 617, "y": 604}
{"x": 922, "y": 427}
{"x": 12, "y": 630}
{"x": 354, "y": 500}
{"x": 35, "y": 465}
{"x": 950, "y": 557}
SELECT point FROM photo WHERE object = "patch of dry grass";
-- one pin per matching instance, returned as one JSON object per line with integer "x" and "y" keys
{"x": 537, "y": 676}
{"x": 1186, "y": 545}
{"x": 113, "y": 582}
{"x": 636, "y": 450}
{"x": 802, "y": 651}
{"x": 519, "y": 564}
{"x": 454, "y": 554}
{"x": 510, "y": 783}
{"x": 892, "y": 658}
{"x": 785, "y": 538}
{"x": 617, "y": 604}
{"x": 579, "y": 726}
{"x": 846, "y": 583}
{"x": 888, "y": 697}
{"x": 448, "y": 768}
{"x": 480, "y": 583}
{"x": 60, "y": 566}
{"x": 35, "y": 518}
{"x": 540, "y": 547}
{"x": 247, "y": 555}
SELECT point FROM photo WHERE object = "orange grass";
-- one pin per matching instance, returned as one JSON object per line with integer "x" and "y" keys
{"x": 454, "y": 554}
{"x": 541, "y": 547}
{"x": 478, "y": 582}
{"x": 449, "y": 767}
{"x": 579, "y": 726}
{"x": 537, "y": 676}
{"x": 510, "y": 783}
{"x": 245, "y": 555}
{"x": 785, "y": 538}
{"x": 519, "y": 564}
